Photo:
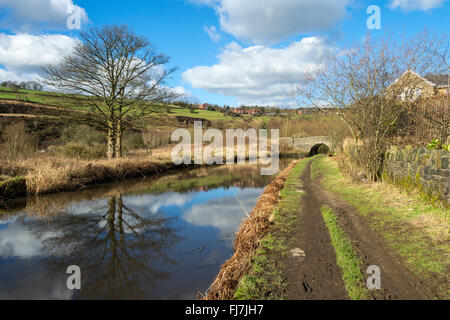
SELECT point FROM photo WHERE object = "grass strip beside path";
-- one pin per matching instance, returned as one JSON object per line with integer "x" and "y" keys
{"x": 347, "y": 258}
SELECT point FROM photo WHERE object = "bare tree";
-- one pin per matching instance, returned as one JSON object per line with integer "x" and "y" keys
{"x": 437, "y": 111}
{"x": 361, "y": 82}
{"x": 121, "y": 72}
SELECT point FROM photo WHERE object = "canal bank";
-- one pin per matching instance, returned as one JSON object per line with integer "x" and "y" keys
{"x": 237, "y": 275}
{"x": 70, "y": 175}
{"x": 55, "y": 175}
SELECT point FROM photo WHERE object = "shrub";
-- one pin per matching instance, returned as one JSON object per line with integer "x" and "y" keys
{"x": 81, "y": 151}
{"x": 17, "y": 143}
{"x": 435, "y": 144}
{"x": 83, "y": 134}
{"x": 133, "y": 141}
{"x": 82, "y": 142}
{"x": 156, "y": 138}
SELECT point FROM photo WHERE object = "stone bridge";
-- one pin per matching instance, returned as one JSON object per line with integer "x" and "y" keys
{"x": 311, "y": 145}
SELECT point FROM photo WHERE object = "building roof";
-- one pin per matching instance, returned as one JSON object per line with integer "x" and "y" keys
{"x": 440, "y": 80}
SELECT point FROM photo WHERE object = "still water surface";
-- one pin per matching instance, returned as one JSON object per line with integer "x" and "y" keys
{"x": 143, "y": 239}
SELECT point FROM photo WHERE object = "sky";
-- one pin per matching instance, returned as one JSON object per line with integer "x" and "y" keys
{"x": 227, "y": 52}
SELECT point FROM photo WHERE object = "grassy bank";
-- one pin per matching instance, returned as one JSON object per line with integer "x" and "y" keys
{"x": 264, "y": 279}
{"x": 417, "y": 233}
{"x": 49, "y": 174}
{"x": 250, "y": 244}
{"x": 62, "y": 174}
{"x": 254, "y": 272}
{"x": 45, "y": 174}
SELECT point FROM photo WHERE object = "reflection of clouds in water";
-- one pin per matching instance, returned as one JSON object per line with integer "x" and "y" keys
{"x": 144, "y": 205}
{"x": 155, "y": 202}
{"x": 17, "y": 241}
{"x": 148, "y": 204}
{"x": 88, "y": 207}
{"x": 7, "y": 220}
{"x": 223, "y": 213}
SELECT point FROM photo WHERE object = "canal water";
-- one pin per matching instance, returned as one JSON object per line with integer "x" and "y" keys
{"x": 142, "y": 239}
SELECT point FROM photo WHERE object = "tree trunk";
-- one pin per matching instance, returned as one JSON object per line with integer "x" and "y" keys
{"x": 111, "y": 142}
{"x": 118, "y": 137}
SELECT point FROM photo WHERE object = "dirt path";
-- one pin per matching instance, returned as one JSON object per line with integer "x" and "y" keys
{"x": 317, "y": 275}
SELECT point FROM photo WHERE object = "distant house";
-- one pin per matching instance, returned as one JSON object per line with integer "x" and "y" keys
{"x": 254, "y": 111}
{"x": 415, "y": 86}
{"x": 239, "y": 111}
{"x": 203, "y": 106}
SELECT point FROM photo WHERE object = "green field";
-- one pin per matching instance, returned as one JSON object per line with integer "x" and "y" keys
{"x": 78, "y": 102}
{"x": 164, "y": 116}
{"x": 75, "y": 102}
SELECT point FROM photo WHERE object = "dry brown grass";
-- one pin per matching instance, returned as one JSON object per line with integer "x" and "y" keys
{"x": 430, "y": 220}
{"x": 47, "y": 174}
{"x": 64, "y": 174}
{"x": 247, "y": 241}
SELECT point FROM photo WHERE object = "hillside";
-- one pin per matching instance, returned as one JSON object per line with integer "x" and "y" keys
{"x": 48, "y": 114}
{"x": 81, "y": 103}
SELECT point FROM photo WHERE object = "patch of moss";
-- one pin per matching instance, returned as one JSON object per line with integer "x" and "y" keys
{"x": 415, "y": 185}
{"x": 13, "y": 188}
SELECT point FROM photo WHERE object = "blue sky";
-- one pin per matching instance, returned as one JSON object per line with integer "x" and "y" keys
{"x": 256, "y": 50}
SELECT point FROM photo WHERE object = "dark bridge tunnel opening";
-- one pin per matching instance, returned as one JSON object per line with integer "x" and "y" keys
{"x": 319, "y": 148}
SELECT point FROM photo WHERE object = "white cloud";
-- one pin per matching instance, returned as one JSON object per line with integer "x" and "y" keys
{"x": 410, "y": 5}
{"x": 265, "y": 21}
{"x": 213, "y": 33}
{"x": 259, "y": 74}
{"x": 17, "y": 77}
{"x": 23, "y": 55}
{"x": 185, "y": 95}
{"x": 181, "y": 90}
{"x": 30, "y": 15}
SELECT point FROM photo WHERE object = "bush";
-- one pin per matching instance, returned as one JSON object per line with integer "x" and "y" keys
{"x": 436, "y": 145}
{"x": 337, "y": 131}
{"x": 83, "y": 134}
{"x": 81, "y": 151}
{"x": 82, "y": 142}
{"x": 17, "y": 143}
{"x": 133, "y": 141}
{"x": 156, "y": 138}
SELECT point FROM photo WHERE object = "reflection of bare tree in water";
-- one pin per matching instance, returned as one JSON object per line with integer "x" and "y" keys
{"x": 115, "y": 250}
